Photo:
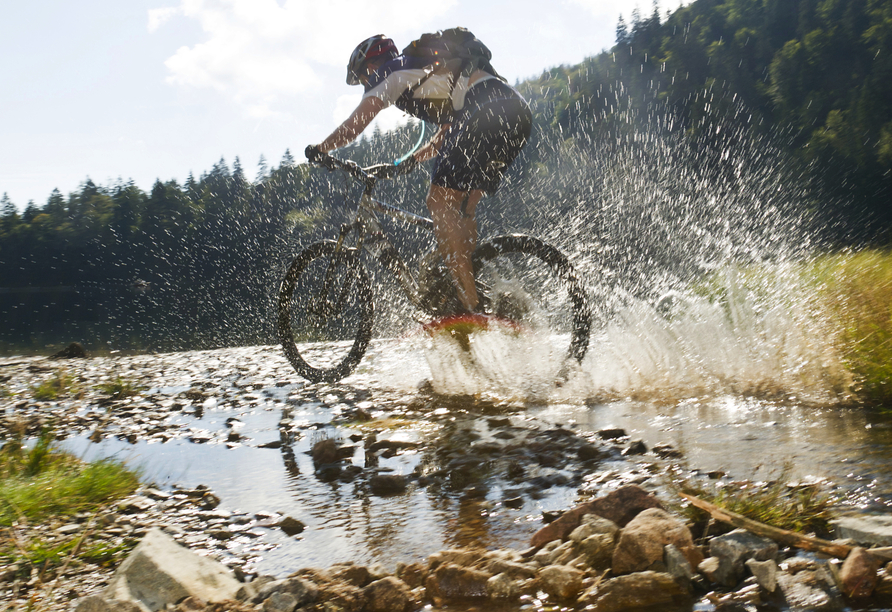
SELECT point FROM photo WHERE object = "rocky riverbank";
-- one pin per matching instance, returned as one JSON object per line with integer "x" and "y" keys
{"x": 483, "y": 462}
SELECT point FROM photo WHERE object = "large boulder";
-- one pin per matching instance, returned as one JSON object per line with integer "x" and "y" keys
{"x": 641, "y": 544}
{"x": 160, "y": 572}
{"x": 620, "y": 506}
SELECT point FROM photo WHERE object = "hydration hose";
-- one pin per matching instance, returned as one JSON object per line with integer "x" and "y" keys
{"x": 397, "y": 162}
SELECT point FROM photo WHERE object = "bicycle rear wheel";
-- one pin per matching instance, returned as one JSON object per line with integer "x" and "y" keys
{"x": 528, "y": 281}
{"x": 325, "y": 312}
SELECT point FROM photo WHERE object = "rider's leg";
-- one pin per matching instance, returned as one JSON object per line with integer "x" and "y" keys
{"x": 456, "y": 230}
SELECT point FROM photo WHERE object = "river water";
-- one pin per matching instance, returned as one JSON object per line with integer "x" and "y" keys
{"x": 416, "y": 390}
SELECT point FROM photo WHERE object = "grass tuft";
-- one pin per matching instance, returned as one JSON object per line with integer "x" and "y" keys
{"x": 119, "y": 388}
{"x": 59, "y": 385}
{"x": 857, "y": 292}
{"x": 44, "y": 481}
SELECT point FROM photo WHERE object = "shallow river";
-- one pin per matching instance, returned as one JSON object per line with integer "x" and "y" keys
{"x": 253, "y": 391}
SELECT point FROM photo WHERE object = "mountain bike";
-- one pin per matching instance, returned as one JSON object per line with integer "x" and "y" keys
{"x": 326, "y": 304}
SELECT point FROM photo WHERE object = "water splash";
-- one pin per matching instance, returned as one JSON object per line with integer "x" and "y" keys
{"x": 688, "y": 247}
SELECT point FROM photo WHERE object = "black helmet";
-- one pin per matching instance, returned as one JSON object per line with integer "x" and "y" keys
{"x": 376, "y": 46}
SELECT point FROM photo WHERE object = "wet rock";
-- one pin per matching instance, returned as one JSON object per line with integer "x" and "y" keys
{"x": 135, "y": 504}
{"x": 809, "y": 590}
{"x": 75, "y": 350}
{"x": 388, "y": 594}
{"x": 387, "y": 484}
{"x": 561, "y": 581}
{"x": 159, "y": 572}
{"x": 452, "y": 582}
{"x": 291, "y": 526}
{"x": 302, "y": 590}
{"x": 413, "y": 574}
{"x": 677, "y": 565}
{"x": 342, "y": 597}
{"x": 280, "y": 602}
{"x": 502, "y": 587}
{"x": 620, "y": 506}
{"x": 858, "y": 575}
{"x": 511, "y": 569}
{"x": 733, "y": 549}
{"x": 355, "y": 575}
{"x": 588, "y": 452}
{"x": 667, "y": 451}
{"x": 455, "y": 556}
{"x": 641, "y": 542}
{"x": 324, "y": 452}
{"x": 612, "y": 433}
{"x": 513, "y": 502}
{"x": 95, "y": 603}
{"x": 636, "y": 447}
{"x": 765, "y": 573}
{"x": 634, "y": 591}
{"x": 865, "y": 528}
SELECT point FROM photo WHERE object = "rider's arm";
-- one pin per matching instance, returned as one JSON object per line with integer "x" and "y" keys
{"x": 348, "y": 131}
{"x": 429, "y": 150}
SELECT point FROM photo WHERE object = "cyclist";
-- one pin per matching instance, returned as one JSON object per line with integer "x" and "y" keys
{"x": 483, "y": 125}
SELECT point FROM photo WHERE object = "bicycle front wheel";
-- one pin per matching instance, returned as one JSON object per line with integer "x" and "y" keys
{"x": 325, "y": 312}
{"x": 522, "y": 279}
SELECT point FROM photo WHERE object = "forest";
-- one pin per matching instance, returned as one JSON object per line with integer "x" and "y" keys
{"x": 196, "y": 265}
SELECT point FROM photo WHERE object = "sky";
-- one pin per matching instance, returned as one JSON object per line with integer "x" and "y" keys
{"x": 155, "y": 89}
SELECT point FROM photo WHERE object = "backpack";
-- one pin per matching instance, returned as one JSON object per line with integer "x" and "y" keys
{"x": 456, "y": 50}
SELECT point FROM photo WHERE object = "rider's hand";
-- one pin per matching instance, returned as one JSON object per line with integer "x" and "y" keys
{"x": 314, "y": 154}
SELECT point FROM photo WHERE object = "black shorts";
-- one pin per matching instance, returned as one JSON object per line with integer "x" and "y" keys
{"x": 486, "y": 136}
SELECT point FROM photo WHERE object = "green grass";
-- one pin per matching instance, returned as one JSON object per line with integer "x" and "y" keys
{"x": 43, "y": 481}
{"x": 847, "y": 298}
{"x": 800, "y": 508}
{"x": 61, "y": 384}
{"x": 119, "y": 388}
{"x": 856, "y": 290}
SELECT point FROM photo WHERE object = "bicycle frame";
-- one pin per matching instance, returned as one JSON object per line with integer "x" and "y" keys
{"x": 369, "y": 235}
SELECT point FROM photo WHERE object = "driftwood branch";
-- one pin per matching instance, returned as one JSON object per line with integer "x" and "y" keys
{"x": 784, "y": 536}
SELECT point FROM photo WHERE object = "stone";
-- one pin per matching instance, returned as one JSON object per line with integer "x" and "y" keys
{"x": 455, "y": 556}
{"x": 502, "y": 587}
{"x": 450, "y": 582}
{"x": 858, "y": 575}
{"x": 159, "y": 572}
{"x": 677, "y": 565}
{"x": 280, "y": 602}
{"x": 75, "y": 350}
{"x": 733, "y": 549}
{"x": 632, "y": 591}
{"x": 291, "y": 526}
{"x": 596, "y": 551}
{"x": 388, "y": 594}
{"x": 95, "y": 603}
{"x": 512, "y": 569}
{"x": 387, "y": 484}
{"x": 303, "y": 590}
{"x": 356, "y": 575}
{"x": 765, "y": 573}
{"x": 808, "y": 590}
{"x": 641, "y": 542}
{"x": 865, "y": 528}
{"x": 324, "y": 452}
{"x": 708, "y": 567}
{"x": 592, "y": 524}
{"x": 620, "y": 506}
{"x": 413, "y": 574}
{"x": 561, "y": 581}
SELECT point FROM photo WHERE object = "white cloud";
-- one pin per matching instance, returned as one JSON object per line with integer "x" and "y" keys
{"x": 159, "y": 16}
{"x": 264, "y": 55}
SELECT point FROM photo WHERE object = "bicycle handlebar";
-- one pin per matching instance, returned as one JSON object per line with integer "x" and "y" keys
{"x": 367, "y": 175}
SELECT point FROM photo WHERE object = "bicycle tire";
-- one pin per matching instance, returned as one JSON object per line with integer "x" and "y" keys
{"x": 344, "y": 338}
{"x": 557, "y": 276}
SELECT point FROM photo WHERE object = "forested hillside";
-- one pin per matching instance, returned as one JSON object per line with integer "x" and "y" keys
{"x": 195, "y": 265}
